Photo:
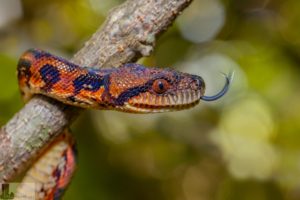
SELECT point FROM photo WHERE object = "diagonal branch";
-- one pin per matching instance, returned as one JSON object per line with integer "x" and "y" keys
{"x": 129, "y": 32}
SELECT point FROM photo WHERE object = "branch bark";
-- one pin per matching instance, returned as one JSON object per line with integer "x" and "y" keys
{"x": 128, "y": 33}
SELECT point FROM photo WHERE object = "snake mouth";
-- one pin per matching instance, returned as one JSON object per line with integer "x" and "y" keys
{"x": 143, "y": 108}
{"x": 151, "y": 103}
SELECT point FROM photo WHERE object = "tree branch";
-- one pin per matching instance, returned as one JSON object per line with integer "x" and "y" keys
{"x": 129, "y": 32}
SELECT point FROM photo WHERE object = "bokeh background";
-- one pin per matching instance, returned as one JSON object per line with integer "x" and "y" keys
{"x": 244, "y": 146}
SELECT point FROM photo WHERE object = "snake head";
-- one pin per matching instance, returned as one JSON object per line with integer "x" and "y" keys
{"x": 136, "y": 88}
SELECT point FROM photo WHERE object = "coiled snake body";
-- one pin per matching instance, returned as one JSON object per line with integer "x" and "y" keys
{"x": 129, "y": 88}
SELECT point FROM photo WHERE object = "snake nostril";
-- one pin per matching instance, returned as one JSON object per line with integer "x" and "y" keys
{"x": 197, "y": 82}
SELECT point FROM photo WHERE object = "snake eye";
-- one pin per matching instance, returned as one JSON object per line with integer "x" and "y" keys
{"x": 160, "y": 86}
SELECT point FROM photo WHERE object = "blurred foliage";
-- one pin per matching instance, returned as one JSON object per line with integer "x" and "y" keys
{"x": 244, "y": 146}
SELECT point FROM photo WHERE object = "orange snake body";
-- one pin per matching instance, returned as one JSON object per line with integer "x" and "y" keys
{"x": 129, "y": 88}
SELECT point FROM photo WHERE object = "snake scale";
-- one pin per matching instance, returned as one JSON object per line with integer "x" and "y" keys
{"x": 130, "y": 88}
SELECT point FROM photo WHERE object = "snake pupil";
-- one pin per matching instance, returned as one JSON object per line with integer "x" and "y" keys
{"x": 161, "y": 85}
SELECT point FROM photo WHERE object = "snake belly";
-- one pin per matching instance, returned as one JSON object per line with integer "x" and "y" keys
{"x": 49, "y": 176}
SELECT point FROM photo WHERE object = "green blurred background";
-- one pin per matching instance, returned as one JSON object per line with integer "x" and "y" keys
{"x": 244, "y": 146}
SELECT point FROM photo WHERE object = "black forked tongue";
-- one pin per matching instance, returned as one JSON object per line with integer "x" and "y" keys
{"x": 228, "y": 78}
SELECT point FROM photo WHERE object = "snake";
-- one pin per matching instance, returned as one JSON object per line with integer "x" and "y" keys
{"x": 131, "y": 88}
